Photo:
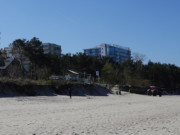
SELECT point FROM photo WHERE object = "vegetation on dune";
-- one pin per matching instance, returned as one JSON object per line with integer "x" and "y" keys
{"x": 132, "y": 72}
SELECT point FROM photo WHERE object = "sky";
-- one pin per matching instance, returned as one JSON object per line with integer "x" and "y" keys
{"x": 149, "y": 27}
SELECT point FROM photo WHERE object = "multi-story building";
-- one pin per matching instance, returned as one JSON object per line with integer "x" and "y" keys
{"x": 118, "y": 53}
{"x": 53, "y": 49}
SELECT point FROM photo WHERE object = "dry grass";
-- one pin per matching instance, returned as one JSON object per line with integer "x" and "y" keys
{"x": 22, "y": 81}
{"x": 26, "y": 81}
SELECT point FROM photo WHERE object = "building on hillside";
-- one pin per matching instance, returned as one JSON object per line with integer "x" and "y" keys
{"x": 11, "y": 68}
{"x": 77, "y": 76}
{"x": 16, "y": 55}
{"x": 53, "y": 49}
{"x": 48, "y": 48}
{"x": 118, "y": 53}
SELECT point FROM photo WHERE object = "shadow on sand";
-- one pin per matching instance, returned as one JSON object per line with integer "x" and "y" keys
{"x": 14, "y": 90}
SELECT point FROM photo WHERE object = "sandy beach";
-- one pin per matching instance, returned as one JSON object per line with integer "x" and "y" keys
{"x": 126, "y": 114}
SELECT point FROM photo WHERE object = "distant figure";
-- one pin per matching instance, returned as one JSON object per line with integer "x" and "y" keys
{"x": 70, "y": 92}
{"x": 106, "y": 87}
{"x": 119, "y": 91}
{"x": 160, "y": 92}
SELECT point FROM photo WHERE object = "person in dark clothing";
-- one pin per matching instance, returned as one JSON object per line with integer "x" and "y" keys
{"x": 160, "y": 92}
{"x": 70, "y": 92}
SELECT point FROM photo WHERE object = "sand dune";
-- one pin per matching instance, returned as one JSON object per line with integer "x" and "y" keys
{"x": 126, "y": 114}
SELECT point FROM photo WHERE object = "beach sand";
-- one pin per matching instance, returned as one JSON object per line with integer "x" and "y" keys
{"x": 126, "y": 114}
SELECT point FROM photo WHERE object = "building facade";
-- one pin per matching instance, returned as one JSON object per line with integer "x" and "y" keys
{"x": 118, "y": 53}
{"x": 53, "y": 49}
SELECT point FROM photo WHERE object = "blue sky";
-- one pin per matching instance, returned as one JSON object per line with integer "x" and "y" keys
{"x": 150, "y": 27}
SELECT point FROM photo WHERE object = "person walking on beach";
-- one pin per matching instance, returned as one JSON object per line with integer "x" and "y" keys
{"x": 70, "y": 92}
{"x": 160, "y": 92}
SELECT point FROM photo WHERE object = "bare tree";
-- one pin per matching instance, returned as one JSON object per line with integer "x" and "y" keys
{"x": 1, "y": 59}
{"x": 18, "y": 51}
{"x": 139, "y": 57}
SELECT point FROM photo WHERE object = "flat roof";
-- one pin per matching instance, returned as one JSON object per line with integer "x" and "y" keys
{"x": 113, "y": 45}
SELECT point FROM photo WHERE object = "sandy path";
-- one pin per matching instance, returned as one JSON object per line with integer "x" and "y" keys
{"x": 128, "y": 114}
